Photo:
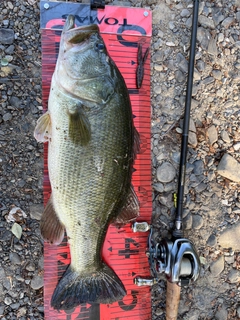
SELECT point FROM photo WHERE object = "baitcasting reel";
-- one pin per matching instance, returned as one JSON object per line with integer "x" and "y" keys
{"x": 177, "y": 258}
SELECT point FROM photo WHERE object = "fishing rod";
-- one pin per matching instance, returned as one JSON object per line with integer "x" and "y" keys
{"x": 176, "y": 257}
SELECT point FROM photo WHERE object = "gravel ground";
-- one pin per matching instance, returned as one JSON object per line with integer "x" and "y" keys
{"x": 212, "y": 206}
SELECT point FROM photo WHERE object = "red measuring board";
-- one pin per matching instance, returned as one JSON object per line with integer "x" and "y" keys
{"x": 124, "y": 251}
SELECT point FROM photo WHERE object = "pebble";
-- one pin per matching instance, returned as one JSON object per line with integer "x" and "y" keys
{"x": 6, "y": 36}
{"x": 217, "y": 74}
{"x": 234, "y": 276}
{"x": 203, "y": 36}
{"x": 166, "y": 172}
{"x": 206, "y": 22}
{"x": 159, "y": 187}
{"x": 227, "y": 22}
{"x": 217, "y": 266}
{"x": 187, "y": 222}
{"x": 229, "y": 238}
{"x": 15, "y": 258}
{"x": 236, "y": 146}
{"x": 37, "y": 282}
{"x": 7, "y": 301}
{"x": 198, "y": 167}
{"x": 185, "y": 13}
{"x": 30, "y": 266}
{"x": 197, "y": 222}
{"x": 2, "y": 308}
{"x": 221, "y": 314}
{"x": 7, "y": 117}
{"x": 212, "y": 240}
{"x": 212, "y": 47}
{"x": 36, "y": 211}
{"x": 212, "y": 135}
{"x": 217, "y": 16}
{"x": 192, "y": 138}
{"x": 229, "y": 168}
{"x": 225, "y": 136}
{"x": 15, "y": 306}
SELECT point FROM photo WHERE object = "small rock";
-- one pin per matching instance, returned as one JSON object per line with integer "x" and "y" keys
{"x": 198, "y": 167}
{"x": 41, "y": 263}
{"x": 225, "y": 136}
{"x": 227, "y": 22}
{"x": 22, "y": 311}
{"x": 234, "y": 276}
{"x": 217, "y": 266}
{"x": 203, "y": 37}
{"x": 6, "y": 36}
{"x": 15, "y": 258}
{"x": 187, "y": 222}
{"x": 2, "y": 273}
{"x": 30, "y": 266}
{"x": 212, "y": 47}
{"x": 10, "y": 5}
{"x": 166, "y": 199}
{"x": 182, "y": 63}
{"x": 159, "y": 187}
{"x": 10, "y": 49}
{"x": 236, "y": 146}
{"x": 2, "y": 308}
{"x": 185, "y": 13}
{"x": 217, "y": 16}
{"x": 221, "y": 314}
{"x": 192, "y": 126}
{"x": 212, "y": 240}
{"x": 217, "y": 74}
{"x": 206, "y": 22}
{"x": 208, "y": 80}
{"x": 7, "y": 301}
{"x": 36, "y": 211}
{"x": 238, "y": 16}
{"x": 179, "y": 76}
{"x": 15, "y": 306}
{"x": 212, "y": 135}
{"x": 229, "y": 168}
{"x": 170, "y": 44}
{"x": 230, "y": 259}
{"x": 197, "y": 222}
{"x": 229, "y": 238}
{"x": 7, "y": 117}
{"x": 37, "y": 282}
{"x": 166, "y": 172}
{"x": 192, "y": 138}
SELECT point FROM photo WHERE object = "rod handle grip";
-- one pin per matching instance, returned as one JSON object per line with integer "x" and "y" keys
{"x": 172, "y": 300}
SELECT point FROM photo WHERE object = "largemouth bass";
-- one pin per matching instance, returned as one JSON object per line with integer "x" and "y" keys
{"x": 91, "y": 138}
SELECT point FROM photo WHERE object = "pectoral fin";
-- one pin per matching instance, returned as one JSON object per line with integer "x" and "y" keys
{"x": 43, "y": 130}
{"x": 51, "y": 228}
{"x": 130, "y": 211}
{"x": 79, "y": 127}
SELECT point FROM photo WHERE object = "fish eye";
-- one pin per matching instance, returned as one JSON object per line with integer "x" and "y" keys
{"x": 99, "y": 46}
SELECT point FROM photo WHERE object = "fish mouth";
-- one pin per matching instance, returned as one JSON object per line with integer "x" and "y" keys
{"x": 79, "y": 34}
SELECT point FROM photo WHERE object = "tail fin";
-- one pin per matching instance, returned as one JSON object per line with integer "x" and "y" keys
{"x": 101, "y": 286}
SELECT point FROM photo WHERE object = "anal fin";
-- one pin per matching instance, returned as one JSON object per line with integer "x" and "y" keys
{"x": 43, "y": 129}
{"x": 130, "y": 211}
{"x": 51, "y": 228}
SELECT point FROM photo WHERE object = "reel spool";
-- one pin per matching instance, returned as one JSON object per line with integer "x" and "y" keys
{"x": 176, "y": 258}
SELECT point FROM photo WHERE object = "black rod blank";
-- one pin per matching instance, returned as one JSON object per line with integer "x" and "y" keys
{"x": 178, "y": 232}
